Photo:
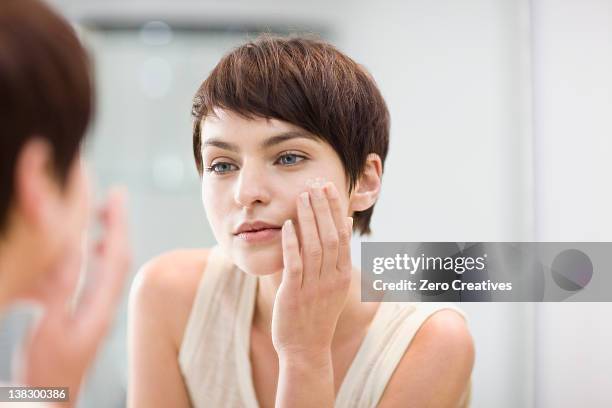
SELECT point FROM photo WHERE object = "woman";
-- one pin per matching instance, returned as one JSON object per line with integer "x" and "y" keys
{"x": 46, "y": 103}
{"x": 290, "y": 138}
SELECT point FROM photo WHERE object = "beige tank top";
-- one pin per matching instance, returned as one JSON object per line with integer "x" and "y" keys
{"x": 214, "y": 354}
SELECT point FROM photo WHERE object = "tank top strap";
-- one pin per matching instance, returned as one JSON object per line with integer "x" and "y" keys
{"x": 215, "y": 265}
{"x": 211, "y": 356}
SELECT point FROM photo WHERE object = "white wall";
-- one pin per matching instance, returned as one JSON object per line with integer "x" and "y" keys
{"x": 572, "y": 62}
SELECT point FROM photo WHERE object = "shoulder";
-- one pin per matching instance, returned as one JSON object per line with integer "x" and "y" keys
{"x": 177, "y": 268}
{"x": 165, "y": 287}
{"x": 436, "y": 367}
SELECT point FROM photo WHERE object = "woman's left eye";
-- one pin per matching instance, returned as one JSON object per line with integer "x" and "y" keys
{"x": 292, "y": 158}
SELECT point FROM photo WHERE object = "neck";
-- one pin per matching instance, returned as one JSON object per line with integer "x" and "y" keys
{"x": 17, "y": 265}
{"x": 351, "y": 314}
{"x": 9, "y": 264}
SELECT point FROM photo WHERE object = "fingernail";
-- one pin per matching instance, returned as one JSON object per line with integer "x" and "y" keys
{"x": 289, "y": 226}
{"x": 351, "y": 220}
{"x": 305, "y": 199}
{"x": 329, "y": 189}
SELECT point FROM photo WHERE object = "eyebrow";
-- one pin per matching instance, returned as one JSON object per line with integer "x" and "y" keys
{"x": 269, "y": 142}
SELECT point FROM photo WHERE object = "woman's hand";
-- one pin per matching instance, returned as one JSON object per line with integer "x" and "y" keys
{"x": 64, "y": 341}
{"x": 316, "y": 276}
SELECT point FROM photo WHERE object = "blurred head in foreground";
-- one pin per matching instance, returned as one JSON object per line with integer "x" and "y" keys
{"x": 46, "y": 104}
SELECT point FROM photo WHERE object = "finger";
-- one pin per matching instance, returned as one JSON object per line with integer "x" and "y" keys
{"x": 344, "y": 229}
{"x": 292, "y": 270}
{"x": 103, "y": 212}
{"x": 114, "y": 247}
{"x": 327, "y": 230}
{"x": 99, "y": 248}
{"x": 68, "y": 274}
{"x": 348, "y": 262}
{"x": 311, "y": 247}
{"x": 102, "y": 293}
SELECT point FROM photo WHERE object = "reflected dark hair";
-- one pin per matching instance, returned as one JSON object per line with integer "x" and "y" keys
{"x": 308, "y": 83}
{"x": 46, "y": 89}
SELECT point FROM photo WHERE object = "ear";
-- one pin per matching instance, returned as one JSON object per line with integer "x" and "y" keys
{"x": 34, "y": 186}
{"x": 367, "y": 188}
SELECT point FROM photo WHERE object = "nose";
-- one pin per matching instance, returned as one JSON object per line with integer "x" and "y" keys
{"x": 251, "y": 187}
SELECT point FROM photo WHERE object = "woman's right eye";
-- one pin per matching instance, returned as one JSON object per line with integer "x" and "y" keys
{"x": 219, "y": 168}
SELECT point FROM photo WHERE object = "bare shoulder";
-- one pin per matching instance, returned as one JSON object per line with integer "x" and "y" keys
{"x": 436, "y": 368}
{"x": 165, "y": 287}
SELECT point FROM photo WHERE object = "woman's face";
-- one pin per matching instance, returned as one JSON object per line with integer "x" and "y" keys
{"x": 254, "y": 170}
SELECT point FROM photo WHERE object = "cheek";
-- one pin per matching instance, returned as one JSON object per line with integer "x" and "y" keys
{"x": 215, "y": 207}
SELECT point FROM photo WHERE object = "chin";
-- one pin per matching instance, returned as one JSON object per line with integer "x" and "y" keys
{"x": 258, "y": 260}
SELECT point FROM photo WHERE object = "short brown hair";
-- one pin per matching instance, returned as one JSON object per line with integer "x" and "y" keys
{"x": 45, "y": 89}
{"x": 308, "y": 83}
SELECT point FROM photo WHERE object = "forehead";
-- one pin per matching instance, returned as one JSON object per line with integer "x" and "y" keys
{"x": 229, "y": 130}
{"x": 228, "y": 124}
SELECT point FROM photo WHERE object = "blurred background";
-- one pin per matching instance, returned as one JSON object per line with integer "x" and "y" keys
{"x": 501, "y": 131}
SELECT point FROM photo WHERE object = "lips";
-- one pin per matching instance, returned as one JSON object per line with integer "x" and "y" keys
{"x": 255, "y": 226}
{"x": 255, "y": 230}
{"x": 259, "y": 236}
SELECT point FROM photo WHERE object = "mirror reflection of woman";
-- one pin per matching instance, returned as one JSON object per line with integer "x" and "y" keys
{"x": 290, "y": 139}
